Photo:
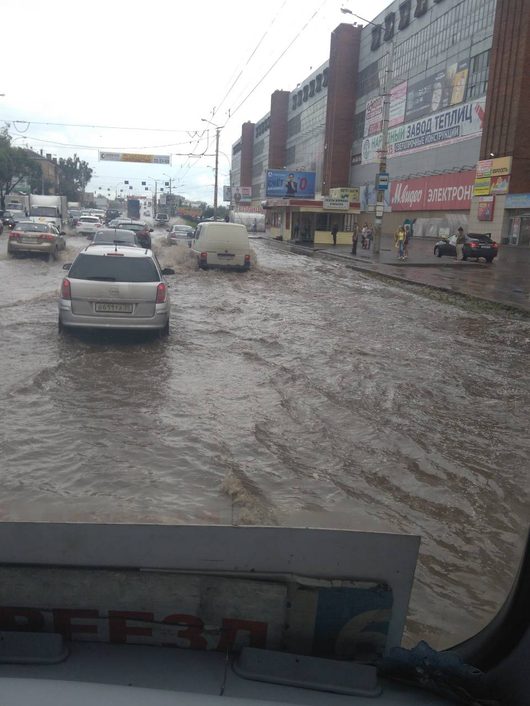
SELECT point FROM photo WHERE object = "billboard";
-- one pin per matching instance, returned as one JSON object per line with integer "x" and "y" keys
{"x": 437, "y": 91}
{"x": 282, "y": 183}
{"x": 133, "y": 157}
{"x": 373, "y": 120}
{"x": 486, "y": 206}
{"x": 227, "y": 193}
{"x": 350, "y": 192}
{"x": 442, "y": 128}
{"x": 501, "y": 166}
{"x": 398, "y": 104}
{"x": 442, "y": 192}
{"x": 241, "y": 194}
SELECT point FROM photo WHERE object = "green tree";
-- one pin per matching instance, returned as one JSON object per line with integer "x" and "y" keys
{"x": 15, "y": 166}
{"x": 74, "y": 175}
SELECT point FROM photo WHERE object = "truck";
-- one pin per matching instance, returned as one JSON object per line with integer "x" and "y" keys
{"x": 133, "y": 209}
{"x": 17, "y": 202}
{"x": 49, "y": 209}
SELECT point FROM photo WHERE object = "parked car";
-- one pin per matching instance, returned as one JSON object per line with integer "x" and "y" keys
{"x": 30, "y": 237}
{"x": 115, "y": 287}
{"x": 179, "y": 233}
{"x": 142, "y": 230}
{"x": 476, "y": 245}
{"x": 115, "y": 236}
{"x": 88, "y": 225}
{"x": 224, "y": 245}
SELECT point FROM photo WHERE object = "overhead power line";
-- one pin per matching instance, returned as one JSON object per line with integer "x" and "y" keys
{"x": 18, "y": 122}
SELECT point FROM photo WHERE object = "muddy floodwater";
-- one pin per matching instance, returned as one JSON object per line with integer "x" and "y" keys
{"x": 300, "y": 393}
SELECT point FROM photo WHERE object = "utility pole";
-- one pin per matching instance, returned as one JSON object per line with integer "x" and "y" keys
{"x": 218, "y": 129}
{"x": 382, "y": 177}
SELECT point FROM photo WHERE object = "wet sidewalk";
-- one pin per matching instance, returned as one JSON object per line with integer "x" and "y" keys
{"x": 506, "y": 281}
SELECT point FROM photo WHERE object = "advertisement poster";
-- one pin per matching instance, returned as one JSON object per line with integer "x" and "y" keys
{"x": 482, "y": 186}
{"x": 501, "y": 166}
{"x": 282, "y": 183}
{"x": 373, "y": 121}
{"x": 442, "y": 192}
{"x": 500, "y": 184}
{"x": 446, "y": 127}
{"x": 398, "y": 104}
{"x": 438, "y": 91}
{"x": 242, "y": 194}
{"x": 486, "y": 206}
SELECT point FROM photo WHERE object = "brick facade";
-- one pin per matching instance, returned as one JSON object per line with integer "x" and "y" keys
{"x": 278, "y": 129}
{"x": 343, "y": 66}
{"x": 506, "y": 125}
{"x": 247, "y": 148}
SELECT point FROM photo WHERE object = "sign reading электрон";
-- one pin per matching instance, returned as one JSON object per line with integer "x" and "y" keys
{"x": 134, "y": 157}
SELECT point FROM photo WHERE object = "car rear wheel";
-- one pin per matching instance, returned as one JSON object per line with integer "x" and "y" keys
{"x": 163, "y": 332}
{"x": 52, "y": 256}
{"x": 437, "y": 252}
{"x": 489, "y": 259}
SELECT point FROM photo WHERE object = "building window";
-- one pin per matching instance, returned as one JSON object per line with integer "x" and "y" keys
{"x": 390, "y": 25}
{"x": 421, "y": 8}
{"x": 306, "y": 93}
{"x": 236, "y": 148}
{"x": 290, "y": 154}
{"x": 318, "y": 83}
{"x": 294, "y": 125}
{"x": 404, "y": 14}
{"x": 358, "y": 126}
{"x": 368, "y": 79}
{"x": 312, "y": 88}
{"x": 257, "y": 169}
{"x": 256, "y": 191}
{"x": 376, "y": 38}
{"x": 477, "y": 84}
{"x": 325, "y": 78}
{"x": 259, "y": 147}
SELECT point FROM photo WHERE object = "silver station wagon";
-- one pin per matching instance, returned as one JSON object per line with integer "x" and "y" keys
{"x": 115, "y": 287}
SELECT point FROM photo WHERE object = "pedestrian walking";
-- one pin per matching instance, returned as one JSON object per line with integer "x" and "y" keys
{"x": 460, "y": 240}
{"x": 408, "y": 242}
{"x": 364, "y": 236}
{"x": 369, "y": 236}
{"x": 354, "y": 238}
{"x": 334, "y": 232}
{"x": 399, "y": 242}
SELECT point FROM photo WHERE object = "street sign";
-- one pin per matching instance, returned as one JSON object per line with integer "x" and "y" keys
{"x": 382, "y": 181}
{"x": 133, "y": 157}
{"x": 379, "y": 210}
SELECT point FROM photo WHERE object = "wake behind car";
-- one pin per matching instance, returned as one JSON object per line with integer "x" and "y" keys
{"x": 476, "y": 245}
{"x": 115, "y": 287}
{"x": 41, "y": 238}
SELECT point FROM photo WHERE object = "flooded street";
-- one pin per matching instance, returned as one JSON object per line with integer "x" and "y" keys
{"x": 300, "y": 393}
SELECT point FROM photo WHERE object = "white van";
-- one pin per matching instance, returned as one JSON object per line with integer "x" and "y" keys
{"x": 219, "y": 244}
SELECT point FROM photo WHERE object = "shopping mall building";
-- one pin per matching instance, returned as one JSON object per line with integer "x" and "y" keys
{"x": 438, "y": 86}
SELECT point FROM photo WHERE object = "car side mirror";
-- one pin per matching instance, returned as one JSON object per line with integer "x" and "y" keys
{"x": 67, "y": 265}
{"x": 151, "y": 230}
{"x": 168, "y": 271}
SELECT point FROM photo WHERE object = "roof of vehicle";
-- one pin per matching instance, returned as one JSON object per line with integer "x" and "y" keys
{"x": 88, "y": 216}
{"x": 119, "y": 232}
{"x": 101, "y": 250}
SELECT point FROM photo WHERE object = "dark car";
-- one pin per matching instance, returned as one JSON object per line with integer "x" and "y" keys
{"x": 142, "y": 231}
{"x": 476, "y": 245}
{"x": 111, "y": 214}
{"x": 8, "y": 219}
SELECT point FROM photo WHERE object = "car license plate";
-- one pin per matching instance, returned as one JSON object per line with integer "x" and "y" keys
{"x": 225, "y": 254}
{"x": 115, "y": 308}
{"x": 484, "y": 246}
{"x": 29, "y": 240}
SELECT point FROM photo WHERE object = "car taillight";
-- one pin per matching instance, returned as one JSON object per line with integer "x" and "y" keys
{"x": 66, "y": 291}
{"x": 494, "y": 244}
{"x": 204, "y": 256}
{"x": 247, "y": 258}
{"x": 47, "y": 236}
{"x": 474, "y": 244}
{"x": 161, "y": 292}
{"x": 15, "y": 235}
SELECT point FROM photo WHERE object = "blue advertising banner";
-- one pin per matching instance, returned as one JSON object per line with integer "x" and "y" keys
{"x": 282, "y": 183}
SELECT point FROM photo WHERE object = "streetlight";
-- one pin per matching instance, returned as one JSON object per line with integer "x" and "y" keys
{"x": 218, "y": 129}
{"x": 380, "y": 202}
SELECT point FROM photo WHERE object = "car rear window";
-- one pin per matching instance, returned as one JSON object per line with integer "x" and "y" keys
{"x": 32, "y": 227}
{"x": 115, "y": 236}
{"x": 114, "y": 268}
{"x": 89, "y": 219}
{"x": 480, "y": 237}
